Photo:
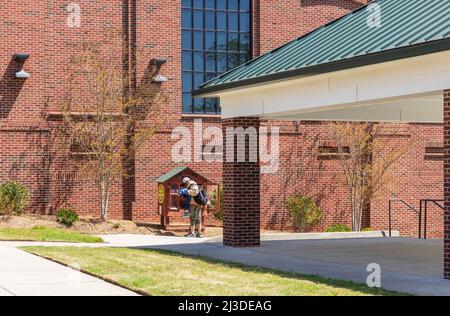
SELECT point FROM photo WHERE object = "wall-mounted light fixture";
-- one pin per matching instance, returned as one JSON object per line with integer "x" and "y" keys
{"x": 157, "y": 64}
{"x": 21, "y": 58}
{"x": 159, "y": 79}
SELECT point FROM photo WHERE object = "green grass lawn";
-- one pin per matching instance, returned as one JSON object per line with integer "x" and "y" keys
{"x": 40, "y": 233}
{"x": 165, "y": 273}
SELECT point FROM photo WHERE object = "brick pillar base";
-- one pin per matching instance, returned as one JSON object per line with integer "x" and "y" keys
{"x": 241, "y": 191}
{"x": 447, "y": 184}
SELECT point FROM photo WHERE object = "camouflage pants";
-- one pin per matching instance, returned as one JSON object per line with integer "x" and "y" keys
{"x": 195, "y": 215}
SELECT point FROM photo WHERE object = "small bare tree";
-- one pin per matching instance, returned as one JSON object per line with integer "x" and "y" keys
{"x": 365, "y": 158}
{"x": 102, "y": 119}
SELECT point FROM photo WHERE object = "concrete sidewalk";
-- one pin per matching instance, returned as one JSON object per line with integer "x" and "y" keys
{"x": 23, "y": 274}
{"x": 407, "y": 265}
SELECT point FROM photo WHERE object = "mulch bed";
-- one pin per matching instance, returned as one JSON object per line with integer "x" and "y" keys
{"x": 84, "y": 225}
{"x": 95, "y": 226}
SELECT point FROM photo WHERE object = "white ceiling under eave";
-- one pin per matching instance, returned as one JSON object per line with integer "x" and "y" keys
{"x": 419, "y": 109}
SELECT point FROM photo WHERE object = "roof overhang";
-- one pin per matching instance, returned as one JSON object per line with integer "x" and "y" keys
{"x": 408, "y": 89}
{"x": 355, "y": 62}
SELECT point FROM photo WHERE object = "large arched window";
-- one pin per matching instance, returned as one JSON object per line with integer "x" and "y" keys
{"x": 215, "y": 39}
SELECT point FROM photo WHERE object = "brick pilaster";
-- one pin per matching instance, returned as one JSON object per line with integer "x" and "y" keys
{"x": 241, "y": 190}
{"x": 447, "y": 184}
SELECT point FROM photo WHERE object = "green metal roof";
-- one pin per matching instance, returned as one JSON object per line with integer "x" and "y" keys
{"x": 176, "y": 171}
{"x": 172, "y": 173}
{"x": 408, "y": 28}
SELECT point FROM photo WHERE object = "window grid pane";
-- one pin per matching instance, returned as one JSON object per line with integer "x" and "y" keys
{"x": 216, "y": 38}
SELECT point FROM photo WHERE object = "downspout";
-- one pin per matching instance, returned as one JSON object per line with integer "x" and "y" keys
{"x": 126, "y": 47}
{"x": 129, "y": 70}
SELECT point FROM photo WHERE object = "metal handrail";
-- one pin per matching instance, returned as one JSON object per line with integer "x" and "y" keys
{"x": 418, "y": 212}
{"x": 425, "y": 202}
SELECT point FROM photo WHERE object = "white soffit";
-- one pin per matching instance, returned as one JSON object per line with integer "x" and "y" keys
{"x": 408, "y": 89}
{"x": 419, "y": 109}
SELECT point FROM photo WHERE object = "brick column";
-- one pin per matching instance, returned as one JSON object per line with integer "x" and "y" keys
{"x": 241, "y": 191}
{"x": 447, "y": 184}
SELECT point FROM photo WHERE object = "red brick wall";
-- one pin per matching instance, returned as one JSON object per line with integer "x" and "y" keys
{"x": 23, "y": 159}
{"x": 70, "y": 187}
{"x": 241, "y": 193}
{"x": 23, "y": 135}
{"x": 34, "y": 154}
{"x": 446, "y": 95}
{"x": 284, "y": 20}
{"x": 301, "y": 170}
{"x": 155, "y": 159}
{"x": 416, "y": 176}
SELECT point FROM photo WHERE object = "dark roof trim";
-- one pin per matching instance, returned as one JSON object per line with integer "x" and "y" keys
{"x": 358, "y": 61}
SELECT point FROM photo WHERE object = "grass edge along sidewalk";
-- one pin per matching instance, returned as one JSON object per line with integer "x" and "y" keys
{"x": 46, "y": 234}
{"x": 167, "y": 273}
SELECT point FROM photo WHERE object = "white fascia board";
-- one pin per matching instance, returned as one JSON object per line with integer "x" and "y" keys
{"x": 375, "y": 83}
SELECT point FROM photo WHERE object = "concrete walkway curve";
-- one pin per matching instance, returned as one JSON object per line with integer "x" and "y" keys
{"x": 24, "y": 274}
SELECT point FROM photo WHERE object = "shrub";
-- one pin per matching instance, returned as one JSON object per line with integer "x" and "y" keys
{"x": 13, "y": 198}
{"x": 66, "y": 216}
{"x": 303, "y": 211}
{"x": 219, "y": 213}
{"x": 339, "y": 228}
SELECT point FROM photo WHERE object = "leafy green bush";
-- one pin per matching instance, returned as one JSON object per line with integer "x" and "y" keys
{"x": 13, "y": 198}
{"x": 339, "y": 228}
{"x": 219, "y": 213}
{"x": 66, "y": 216}
{"x": 303, "y": 211}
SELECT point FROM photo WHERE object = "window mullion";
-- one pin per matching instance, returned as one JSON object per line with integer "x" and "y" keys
{"x": 221, "y": 58}
{"x": 193, "y": 55}
{"x": 204, "y": 49}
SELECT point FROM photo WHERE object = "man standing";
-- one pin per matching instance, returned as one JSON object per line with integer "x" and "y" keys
{"x": 190, "y": 191}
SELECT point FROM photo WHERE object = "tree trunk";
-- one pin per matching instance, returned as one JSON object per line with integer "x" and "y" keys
{"x": 103, "y": 206}
{"x": 108, "y": 186}
{"x": 104, "y": 196}
{"x": 357, "y": 210}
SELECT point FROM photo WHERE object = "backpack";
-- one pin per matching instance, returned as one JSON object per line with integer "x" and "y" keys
{"x": 202, "y": 197}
